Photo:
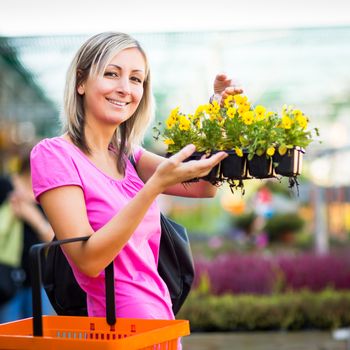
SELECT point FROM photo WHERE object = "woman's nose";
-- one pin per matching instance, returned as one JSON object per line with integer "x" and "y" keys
{"x": 123, "y": 86}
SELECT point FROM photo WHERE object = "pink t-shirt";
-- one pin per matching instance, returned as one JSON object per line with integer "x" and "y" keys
{"x": 139, "y": 290}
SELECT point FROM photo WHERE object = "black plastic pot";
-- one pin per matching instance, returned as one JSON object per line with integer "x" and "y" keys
{"x": 212, "y": 177}
{"x": 290, "y": 164}
{"x": 260, "y": 167}
{"x": 194, "y": 156}
{"x": 234, "y": 167}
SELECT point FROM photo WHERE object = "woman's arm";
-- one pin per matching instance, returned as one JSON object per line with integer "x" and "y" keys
{"x": 26, "y": 209}
{"x": 149, "y": 162}
{"x": 65, "y": 208}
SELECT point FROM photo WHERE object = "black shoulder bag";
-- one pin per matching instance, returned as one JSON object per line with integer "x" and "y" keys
{"x": 175, "y": 266}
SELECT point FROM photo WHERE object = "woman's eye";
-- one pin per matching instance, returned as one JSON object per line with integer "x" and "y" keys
{"x": 111, "y": 74}
{"x": 136, "y": 79}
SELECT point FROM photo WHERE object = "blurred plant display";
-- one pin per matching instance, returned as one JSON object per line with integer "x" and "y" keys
{"x": 256, "y": 292}
{"x": 326, "y": 310}
{"x": 280, "y": 225}
{"x": 257, "y": 274}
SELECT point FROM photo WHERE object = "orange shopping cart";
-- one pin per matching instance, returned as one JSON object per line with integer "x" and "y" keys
{"x": 86, "y": 333}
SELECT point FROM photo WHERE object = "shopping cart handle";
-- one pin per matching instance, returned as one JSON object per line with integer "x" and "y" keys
{"x": 36, "y": 281}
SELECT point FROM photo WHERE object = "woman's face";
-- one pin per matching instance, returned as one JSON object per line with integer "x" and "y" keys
{"x": 114, "y": 97}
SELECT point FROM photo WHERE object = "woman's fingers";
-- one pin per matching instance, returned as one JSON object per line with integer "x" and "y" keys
{"x": 207, "y": 164}
{"x": 233, "y": 90}
{"x": 175, "y": 170}
{"x": 221, "y": 82}
{"x": 183, "y": 154}
{"x": 214, "y": 159}
{"x": 201, "y": 167}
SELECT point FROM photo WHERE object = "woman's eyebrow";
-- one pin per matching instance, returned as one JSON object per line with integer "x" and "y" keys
{"x": 120, "y": 68}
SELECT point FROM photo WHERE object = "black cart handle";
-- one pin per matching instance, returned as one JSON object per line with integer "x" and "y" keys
{"x": 36, "y": 271}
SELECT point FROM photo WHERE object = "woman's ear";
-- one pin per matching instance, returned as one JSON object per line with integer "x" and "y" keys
{"x": 81, "y": 89}
{"x": 81, "y": 86}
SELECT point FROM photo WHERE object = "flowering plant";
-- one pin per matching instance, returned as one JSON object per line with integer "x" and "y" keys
{"x": 292, "y": 130}
{"x": 239, "y": 126}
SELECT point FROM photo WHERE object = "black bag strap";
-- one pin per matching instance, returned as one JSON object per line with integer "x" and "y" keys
{"x": 132, "y": 161}
{"x": 110, "y": 294}
{"x": 36, "y": 258}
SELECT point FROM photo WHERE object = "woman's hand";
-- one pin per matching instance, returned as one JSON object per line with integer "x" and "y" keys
{"x": 223, "y": 87}
{"x": 28, "y": 211}
{"x": 21, "y": 207}
{"x": 174, "y": 170}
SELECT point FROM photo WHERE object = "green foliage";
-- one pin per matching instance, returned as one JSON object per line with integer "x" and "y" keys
{"x": 279, "y": 187}
{"x": 328, "y": 309}
{"x": 237, "y": 125}
{"x": 283, "y": 223}
{"x": 205, "y": 217}
{"x": 244, "y": 221}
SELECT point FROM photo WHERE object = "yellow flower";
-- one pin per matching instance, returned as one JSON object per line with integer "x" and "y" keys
{"x": 269, "y": 114}
{"x": 216, "y": 107}
{"x": 231, "y": 111}
{"x": 190, "y": 116}
{"x": 184, "y": 123}
{"x": 270, "y": 151}
{"x": 239, "y": 152}
{"x": 221, "y": 122}
{"x": 212, "y": 108}
{"x": 169, "y": 142}
{"x": 174, "y": 113}
{"x": 259, "y": 152}
{"x": 248, "y": 117}
{"x": 282, "y": 150}
{"x": 173, "y": 118}
{"x": 214, "y": 116}
{"x": 260, "y": 112}
{"x": 200, "y": 109}
{"x": 240, "y": 99}
{"x": 208, "y": 108}
{"x": 170, "y": 122}
{"x": 228, "y": 101}
{"x": 302, "y": 121}
{"x": 297, "y": 113}
{"x": 286, "y": 122}
{"x": 243, "y": 108}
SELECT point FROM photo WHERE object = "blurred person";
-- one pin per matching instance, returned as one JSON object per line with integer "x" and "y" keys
{"x": 87, "y": 185}
{"x": 16, "y": 191}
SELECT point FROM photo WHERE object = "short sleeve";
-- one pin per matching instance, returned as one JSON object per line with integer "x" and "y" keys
{"x": 52, "y": 167}
{"x": 137, "y": 153}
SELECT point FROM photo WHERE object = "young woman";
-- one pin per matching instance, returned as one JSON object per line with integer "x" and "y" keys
{"x": 87, "y": 185}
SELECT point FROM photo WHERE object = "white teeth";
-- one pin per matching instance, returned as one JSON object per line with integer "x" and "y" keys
{"x": 117, "y": 103}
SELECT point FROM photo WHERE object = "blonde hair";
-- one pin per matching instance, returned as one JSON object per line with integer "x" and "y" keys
{"x": 92, "y": 59}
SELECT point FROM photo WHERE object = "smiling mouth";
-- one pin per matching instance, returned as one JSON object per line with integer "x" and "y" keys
{"x": 117, "y": 103}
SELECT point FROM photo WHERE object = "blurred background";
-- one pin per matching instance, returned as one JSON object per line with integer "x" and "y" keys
{"x": 288, "y": 245}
